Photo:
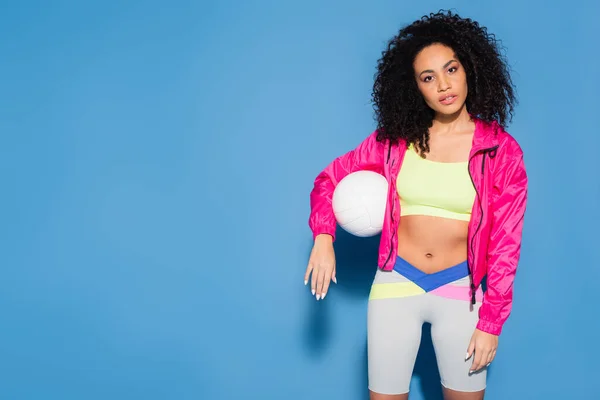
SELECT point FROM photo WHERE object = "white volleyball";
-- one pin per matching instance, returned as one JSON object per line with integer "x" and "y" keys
{"x": 359, "y": 202}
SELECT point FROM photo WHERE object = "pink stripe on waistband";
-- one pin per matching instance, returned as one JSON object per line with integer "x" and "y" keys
{"x": 457, "y": 293}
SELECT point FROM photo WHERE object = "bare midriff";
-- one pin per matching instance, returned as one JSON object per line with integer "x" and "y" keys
{"x": 432, "y": 244}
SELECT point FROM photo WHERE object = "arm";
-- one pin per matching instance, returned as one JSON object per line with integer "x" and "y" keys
{"x": 508, "y": 207}
{"x": 369, "y": 155}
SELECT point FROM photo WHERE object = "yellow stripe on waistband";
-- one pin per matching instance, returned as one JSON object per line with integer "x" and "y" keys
{"x": 394, "y": 290}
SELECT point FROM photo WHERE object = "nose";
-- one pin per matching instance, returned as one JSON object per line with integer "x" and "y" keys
{"x": 443, "y": 84}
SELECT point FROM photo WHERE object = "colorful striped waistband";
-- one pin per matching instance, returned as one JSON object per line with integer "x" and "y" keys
{"x": 418, "y": 282}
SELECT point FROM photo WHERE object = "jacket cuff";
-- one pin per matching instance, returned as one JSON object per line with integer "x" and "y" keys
{"x": 324, "y": 229}
{"x": 489, "y": 327}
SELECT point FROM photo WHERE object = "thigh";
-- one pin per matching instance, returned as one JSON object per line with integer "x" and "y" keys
{"x": 453, "y": 321}
{"x": 394, "y": 322}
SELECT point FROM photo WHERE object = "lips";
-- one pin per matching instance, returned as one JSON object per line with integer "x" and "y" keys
{"x": 448, "y": 99}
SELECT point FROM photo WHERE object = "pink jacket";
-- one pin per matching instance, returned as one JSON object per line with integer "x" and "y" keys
{"x": 494, "y": 240}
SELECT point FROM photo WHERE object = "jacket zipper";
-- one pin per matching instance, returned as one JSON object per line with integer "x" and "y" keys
{"x": 392, "y": 224}
{"x": 492, "y": 151}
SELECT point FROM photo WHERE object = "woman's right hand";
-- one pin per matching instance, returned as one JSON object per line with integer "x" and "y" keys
{"x": 322, "y": 266}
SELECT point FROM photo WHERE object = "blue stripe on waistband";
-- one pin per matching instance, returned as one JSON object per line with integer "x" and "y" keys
{"x": 429, "y": 282}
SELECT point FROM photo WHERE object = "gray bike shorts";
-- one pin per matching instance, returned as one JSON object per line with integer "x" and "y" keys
{"x": 400, "y": 302}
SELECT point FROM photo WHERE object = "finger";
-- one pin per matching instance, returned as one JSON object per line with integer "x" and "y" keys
{"x": 470, "y": 349}
{"x": 326, "y": 282}
{"x": 484, "y": 359}
{"x": 313, "y": 280}
{"x": 491, "y": 358}
{"x": 308, "y": 271}
{"x": 320, "y": 279}
{"x": 478, "y": 359}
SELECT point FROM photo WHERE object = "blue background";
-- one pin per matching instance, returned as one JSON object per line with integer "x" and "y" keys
{"x": 156, "y": 163}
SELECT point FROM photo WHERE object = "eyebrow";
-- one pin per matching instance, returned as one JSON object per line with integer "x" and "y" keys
{"x": 431, "y": 71}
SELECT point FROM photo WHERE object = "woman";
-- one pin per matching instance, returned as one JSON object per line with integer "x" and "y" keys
{"x": 456, "y": 201}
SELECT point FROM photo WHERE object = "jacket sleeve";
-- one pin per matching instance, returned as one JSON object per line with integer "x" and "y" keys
{"x": 511, "y": 185}
{"x": 368, "y": 155}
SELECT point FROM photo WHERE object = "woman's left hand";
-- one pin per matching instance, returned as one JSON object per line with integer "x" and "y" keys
{"x": 484, "y": 345}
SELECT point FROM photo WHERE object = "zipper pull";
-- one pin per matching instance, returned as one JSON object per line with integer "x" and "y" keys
{"x": 473, "y": 294}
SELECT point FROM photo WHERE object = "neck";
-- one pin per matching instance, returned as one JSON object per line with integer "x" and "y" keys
{"x": 451, "y": 122}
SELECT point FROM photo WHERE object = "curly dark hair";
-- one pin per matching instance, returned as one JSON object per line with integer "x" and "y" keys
{"x": 401, "y": 110}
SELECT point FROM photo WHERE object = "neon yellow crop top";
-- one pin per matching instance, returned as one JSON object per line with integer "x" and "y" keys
{"x": 434, "y": 188}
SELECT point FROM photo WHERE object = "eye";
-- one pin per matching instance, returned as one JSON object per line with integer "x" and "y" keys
{"x": 452, "y": 69}
{"x": 428, "y": 79}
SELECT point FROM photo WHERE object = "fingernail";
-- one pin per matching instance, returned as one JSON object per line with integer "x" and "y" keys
{"x": 466, "y": 356}
{"x": 488, "y": 365}
{"x": 313, "y": 292}
{"x": 322, "y": 296}
{"x": 318, "y": 297}
{"x": 305, "y": 282}
{"x": 335, "y": 280}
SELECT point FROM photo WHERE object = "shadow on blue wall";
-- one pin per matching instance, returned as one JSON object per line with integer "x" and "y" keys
{"x": 356, "y": 260}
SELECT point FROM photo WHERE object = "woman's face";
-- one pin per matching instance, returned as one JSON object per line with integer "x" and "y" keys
{"x": 441, "y": 79}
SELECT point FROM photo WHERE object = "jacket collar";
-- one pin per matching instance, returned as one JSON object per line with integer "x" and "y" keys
{"x": 485, "y": 136}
